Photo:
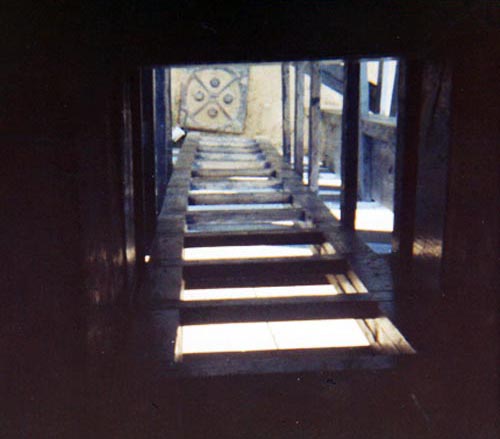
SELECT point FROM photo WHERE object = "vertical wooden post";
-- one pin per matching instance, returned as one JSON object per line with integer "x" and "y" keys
{"x": 298, "y": 147}
{"x": 168, "y": 123}
{"x": 364, "y": 159}
{"x": 387, "y": 87}
{"x": 394, "y": 99}
{"x": 138, "y": 177}
{"x": 285, "y": 100}
{"x": 149, "y": 168}
{"x": 350, "y": 136}
{"x": 128, "y": 187}
{"x": 380, "y": 80}
{"x": 408, "y": 135}
{"x": 159, "y": 117}
{"x": 314, "y": 121}
{"x": 364, "y": 89}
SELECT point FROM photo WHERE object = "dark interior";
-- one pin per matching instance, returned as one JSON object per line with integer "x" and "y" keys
{"x": 73, "y": 240}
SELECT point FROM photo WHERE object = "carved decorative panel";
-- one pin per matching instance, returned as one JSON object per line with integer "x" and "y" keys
{"x": 214, "y": 98}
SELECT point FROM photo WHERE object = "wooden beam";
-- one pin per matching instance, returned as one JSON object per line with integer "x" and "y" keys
{"x": 285, "y": 100}
{"x": 380, "y": 80}
{"x": 298, "y": 146}
{"x": 405, "y": 182}
{"x": 160, "y": 135}
{"x": 226, "y": 173}
{"x": 269, "y": 310}
{"x": 168, "y": 124}
{"x": 149, "y": 166}
{"x": 235, "y": 149}
{"x": 196, "y": 271}
{"x": 364, "y": 89}
{"x": 224, "y": 164}
{"x": 138, "y": 177}
{"x": 314, "y": 125}
{"x": 245, "y": 215}
{"x": 350, "y": 140}
{"x": 234, "y": 304}
{"x": 202, "y": 183}
{"x": 253, "y": 238}
{"x": 387, "y": 86}
{"x": 241, "y": 198}
{"x": 364, "y": 162}
{"x": 127, "y": 167}
{"x": 220, "y": 156}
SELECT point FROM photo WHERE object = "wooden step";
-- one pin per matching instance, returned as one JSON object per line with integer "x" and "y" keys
{"x": 242, "y": 198}
{"x": 200, "y": 183}
{"x": 269, "y": 311}
{"x": 220, "y": 165}
{"x": 298, "y": 300}
{"x": 245, "y": 215}
{"x": 295, "y": 267}
{"x": 234, "y": 157}
{"x": 253, "y": 238}
{"x": 249, "y": 226}
{"x": 224, "y": 173}
{"x": 230, "y": 150}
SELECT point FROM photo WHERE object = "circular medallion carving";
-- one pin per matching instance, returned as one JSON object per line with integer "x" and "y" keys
{"x": 214, "y": 82}
{"x": 212, "y": 112}
{"x": 199, "y": 95}
{"x": 228, "y": 98}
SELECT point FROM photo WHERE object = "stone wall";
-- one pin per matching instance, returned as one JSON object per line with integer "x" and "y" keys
{"x": 264, "y": 100}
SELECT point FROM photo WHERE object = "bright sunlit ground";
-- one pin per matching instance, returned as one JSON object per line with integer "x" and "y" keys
{"x": 259, "y": 292}
{"x": 246, "y": 252}
{"x": 369, "y": 216}
{"x": 269, "y": 336}
{"x": 256, "y": 206}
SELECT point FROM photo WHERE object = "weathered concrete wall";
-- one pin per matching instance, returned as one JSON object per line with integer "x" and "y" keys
{"x": 264, "y": 113}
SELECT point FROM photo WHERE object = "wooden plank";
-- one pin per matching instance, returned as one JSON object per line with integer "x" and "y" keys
{"x": 229, "y": 149}
{"x": 364, "y": 90}
{"x": 149, "y": 167}
{"x": 350, "y": 136}
{"x": 258, "y": 267}
{"x": 345, "y": 284}
{"x": 356, "y": 282}
{"x": 405, "y": 178}
{"x": 388, "y": 335}
{"x": 213, "y": 164}
{"x": 387, "y": 86}
{"x": 277, "y": 301}
{"x": 160, "y": 135}
{"x": 222, "y": 141}
{"x": 299, "y": 310}
{"x": 168, "y": 123}
{"x": 374, "y": 343}
{"x": 219, "y": 173}
{"x": 253, "y": 238}
{"x": 364, "y": 149}
{"x": 334, "y": 282}
{"x": 380, "y": 77}
{"x": 285, "y": 101}
{"x": 241, "y": 198}
{"x": 314, "y": 127}
{"x": 216, "y": 156}
{"x": 199, "y": 184}
{"x": 284, "y": 362}
{"x": 298, "y": 147}
{"x": 245, "y": 215}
